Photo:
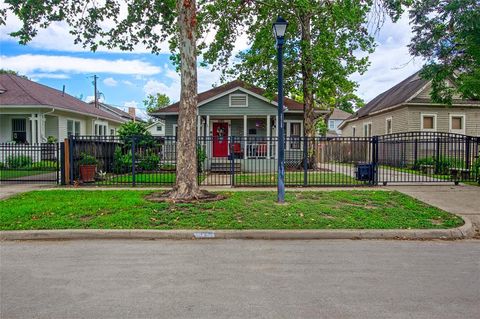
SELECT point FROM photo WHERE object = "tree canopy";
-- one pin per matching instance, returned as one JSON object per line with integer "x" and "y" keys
{"x": 323, "y": 42}
{"x": 447, "y": 35}
{"x": 154, "y": 102}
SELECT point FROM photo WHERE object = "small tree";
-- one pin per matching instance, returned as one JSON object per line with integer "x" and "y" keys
{"x": 138, "y": 130}
{"x": 154, "y": 102}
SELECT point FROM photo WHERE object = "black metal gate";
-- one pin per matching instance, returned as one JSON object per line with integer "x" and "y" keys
{"x": 427, "y": 157}
{"x": 30, "y": 163}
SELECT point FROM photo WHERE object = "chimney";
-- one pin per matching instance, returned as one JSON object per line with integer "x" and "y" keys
{"x": 131, "y": 111}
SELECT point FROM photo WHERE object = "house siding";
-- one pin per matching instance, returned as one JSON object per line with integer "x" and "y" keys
{"x": 408, "y": 119}
{"x": 51, "y": 126}
{"x": 221, "y": 106}
{"x": 399, "y": 123}
{"x": 472, "y": 118}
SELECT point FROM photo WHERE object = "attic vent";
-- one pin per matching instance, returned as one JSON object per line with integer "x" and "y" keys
{"x": 238, "y": 100}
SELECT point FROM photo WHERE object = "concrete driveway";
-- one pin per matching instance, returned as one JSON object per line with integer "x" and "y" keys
{"x": 240, "y": 279}
{"x": 463, "y": 200}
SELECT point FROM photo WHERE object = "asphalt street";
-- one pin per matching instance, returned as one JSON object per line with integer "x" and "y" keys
{"x": 240, "y": 279}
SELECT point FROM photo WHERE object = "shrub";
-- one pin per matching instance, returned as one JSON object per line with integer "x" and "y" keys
{"x": 87, "y": 159}
{"x": 52, "y": 140}
{"x": 442, "y": 164}
{"x": 149, "y": 162}
{"x": 121, "y": 162}
{"x": 2, "y": 165}
{"x": 19, "y": 161}
{"x": 201, "y": 156}
{"x": 168, "y": 167}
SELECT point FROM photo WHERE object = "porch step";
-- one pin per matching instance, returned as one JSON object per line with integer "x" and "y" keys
{"x": 224, "y": 167}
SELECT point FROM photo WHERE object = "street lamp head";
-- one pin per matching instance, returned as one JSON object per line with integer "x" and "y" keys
{"x": 279, "y": 28}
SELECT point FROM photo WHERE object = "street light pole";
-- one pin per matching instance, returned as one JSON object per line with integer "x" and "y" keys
{"x": 279, "y": 28}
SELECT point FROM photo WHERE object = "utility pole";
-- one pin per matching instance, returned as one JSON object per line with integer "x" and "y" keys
{"x": 95, "y": 77}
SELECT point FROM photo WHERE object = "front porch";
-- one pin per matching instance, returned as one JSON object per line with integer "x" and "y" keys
{"x": 246, "y": 137}
{"x": 27, "y": 128}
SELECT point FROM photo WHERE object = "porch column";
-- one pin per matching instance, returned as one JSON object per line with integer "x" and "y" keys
{"x": 268, "y": 136}
{"x": 208, "y": 138}
{"x": 276, "y": 134}
{"x": 245, "y": 135}
{"x": 199, "y": 124}
{"x": 34, "y": 128}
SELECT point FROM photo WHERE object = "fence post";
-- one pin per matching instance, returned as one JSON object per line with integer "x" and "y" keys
{"x": 305, "y": 160}
{"x": 71, "y": 150}
{"x": 374, "y": 141}
{"x": 133, "y": 161}
{"x": 467, "y": 152}
{"x": 415, "y": 154}
{"x": 232, "y": 163}
{"x": 437, "y": 157}
{"x": 62, "y": 163}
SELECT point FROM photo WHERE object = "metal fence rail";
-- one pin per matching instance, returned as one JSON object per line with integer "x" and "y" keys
{"x": 29, "y": 163}
{"x": 417, "y": 157}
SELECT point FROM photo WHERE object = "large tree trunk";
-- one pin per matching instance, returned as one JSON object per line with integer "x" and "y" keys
{"x": 307, "y": 82}
{"x": 186, "y": 186}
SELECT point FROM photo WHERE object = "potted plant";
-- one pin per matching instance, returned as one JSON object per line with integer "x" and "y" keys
{"x": 88, "y": 167}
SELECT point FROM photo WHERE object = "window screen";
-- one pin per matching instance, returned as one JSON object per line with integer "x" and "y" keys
{"x": 428, "y": 122}
{"x": 457, "y": 123}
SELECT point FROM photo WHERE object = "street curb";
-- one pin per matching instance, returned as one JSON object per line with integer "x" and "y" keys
{"x": 462, "y": 232}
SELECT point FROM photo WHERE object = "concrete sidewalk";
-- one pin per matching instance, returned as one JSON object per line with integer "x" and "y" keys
{"x": 463, "y": 200}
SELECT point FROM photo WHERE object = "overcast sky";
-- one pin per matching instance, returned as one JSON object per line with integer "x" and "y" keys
{"x": 126, "y": 78}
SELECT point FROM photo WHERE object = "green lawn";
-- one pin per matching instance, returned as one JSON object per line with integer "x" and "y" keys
{"x": 296, "y": 178}
{"x": 167, "y": 178}
{"x": 156, "y": 178}
{"x": 81, "y": 209}
{"x": 11, "y": 174}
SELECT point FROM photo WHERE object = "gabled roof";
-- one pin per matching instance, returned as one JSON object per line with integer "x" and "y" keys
{"x": 157, "y": 122}
{"x": 292, "y": 105}
{"x": 338, "y": 114}
{"x": 113, "y": 109}
{"x": 403, "y": 93}
{"x": 20, "y": 91}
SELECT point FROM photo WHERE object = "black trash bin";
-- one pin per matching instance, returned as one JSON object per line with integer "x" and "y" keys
{"x": 364, "y": 171}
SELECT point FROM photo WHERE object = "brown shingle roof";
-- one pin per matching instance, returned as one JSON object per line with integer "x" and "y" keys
{"x": 113, "y": 109}
{"x": 292, "y": 105}
{"x": 398, "y": 94}
{"x": 338, "y": 114}
{"x": 21, "y": 91}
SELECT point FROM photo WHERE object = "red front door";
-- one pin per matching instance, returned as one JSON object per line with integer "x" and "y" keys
{"x": 220, "y": 139}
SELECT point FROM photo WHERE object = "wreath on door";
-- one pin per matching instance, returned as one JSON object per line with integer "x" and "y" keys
{"x": 220, "y": 134}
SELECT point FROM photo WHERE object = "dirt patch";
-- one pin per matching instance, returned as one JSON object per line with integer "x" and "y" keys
{"x": 203, "y": 196}
{"x": 436, "y": 222}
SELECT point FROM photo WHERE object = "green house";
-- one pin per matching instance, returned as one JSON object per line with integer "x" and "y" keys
{"x": 236, "y": 119}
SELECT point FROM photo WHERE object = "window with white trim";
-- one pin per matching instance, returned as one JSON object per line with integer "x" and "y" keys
{"x": 388, "y": 125}
{"x": 100, "y": 129}
{"x": 428, "y": 122}
{"x": 457, "y": 123}
{"x": 73, "y": 127}
{"x": 367, "y": 129}
{"x": 331, "y": 125}
{"x": 159, "y": 128}
{"x": 238, "y": 100}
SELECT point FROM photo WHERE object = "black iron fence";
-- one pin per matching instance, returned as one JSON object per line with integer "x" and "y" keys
{"x": 417, "y": 157}
{"x": 29, "y": 163}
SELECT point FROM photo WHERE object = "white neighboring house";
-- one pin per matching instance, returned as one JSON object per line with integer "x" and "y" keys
{"x": 157, "y": 128}
{"x": 334, "y": 121}
{"x": 31, "y": 112}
